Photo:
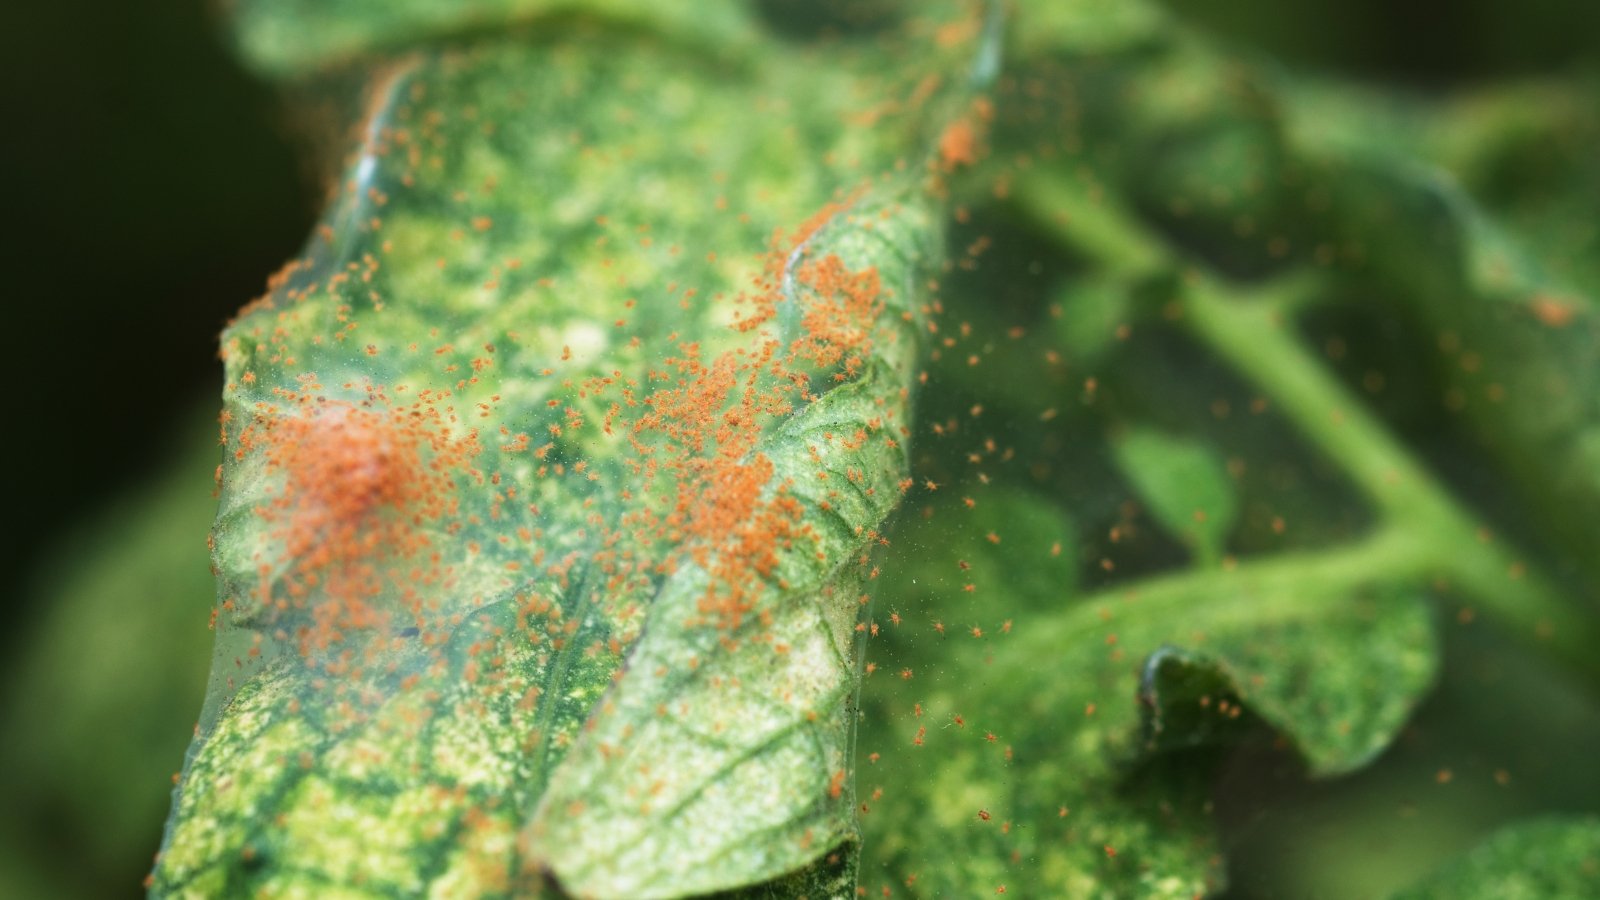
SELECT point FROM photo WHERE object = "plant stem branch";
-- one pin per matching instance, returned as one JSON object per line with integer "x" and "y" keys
{"x": 1248, "y": 327}
{"x": 1450, "y": 543}
{"x": 1283, "y": 586}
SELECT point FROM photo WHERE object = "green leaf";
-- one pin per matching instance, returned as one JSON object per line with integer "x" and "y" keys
{"x": 1088, "y": 26}
{"x": 1535, "y": 860}
{"x": 554, "y": 469}
{"x": 1057, "y": 779}
{"x": 292, "y": 37}
{"x": 1095, "y": 310}
{"x": 1338, "y": 687}
{"x": 1185, "y": 486}
{"x": 1519, "y": 148}
{"x": 119, "y": 649}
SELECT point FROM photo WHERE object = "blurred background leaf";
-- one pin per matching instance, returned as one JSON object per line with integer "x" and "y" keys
{"x": 1541, "y": 858}
{"x": 99, "y": 702}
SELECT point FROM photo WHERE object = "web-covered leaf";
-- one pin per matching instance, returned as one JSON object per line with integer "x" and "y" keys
{"x": 554, "y": 470}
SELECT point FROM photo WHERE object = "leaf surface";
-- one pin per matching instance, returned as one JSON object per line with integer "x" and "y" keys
{"x": 1073, "y": 765}
{"x": 554, "y": 466}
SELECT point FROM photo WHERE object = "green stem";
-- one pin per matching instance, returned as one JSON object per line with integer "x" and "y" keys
{"x": 1451, "y": 543}
{"x": 1248, "y": 328}
{"x": 1251, "y": 333}
{"x": 1283, "y": 586}
{"x": 1077, "y": 209}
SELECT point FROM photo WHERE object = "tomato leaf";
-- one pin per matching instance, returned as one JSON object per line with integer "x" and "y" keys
{"x": 554, "y": 470}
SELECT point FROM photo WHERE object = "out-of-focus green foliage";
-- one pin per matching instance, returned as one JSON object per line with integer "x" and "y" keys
{"x": 1213, "y": 399}
{"x": 98, "y": 707}
{"x": 1552, "y": 858}
{"x": 1185, "y": 486}
{"x": 290, "y": 37}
